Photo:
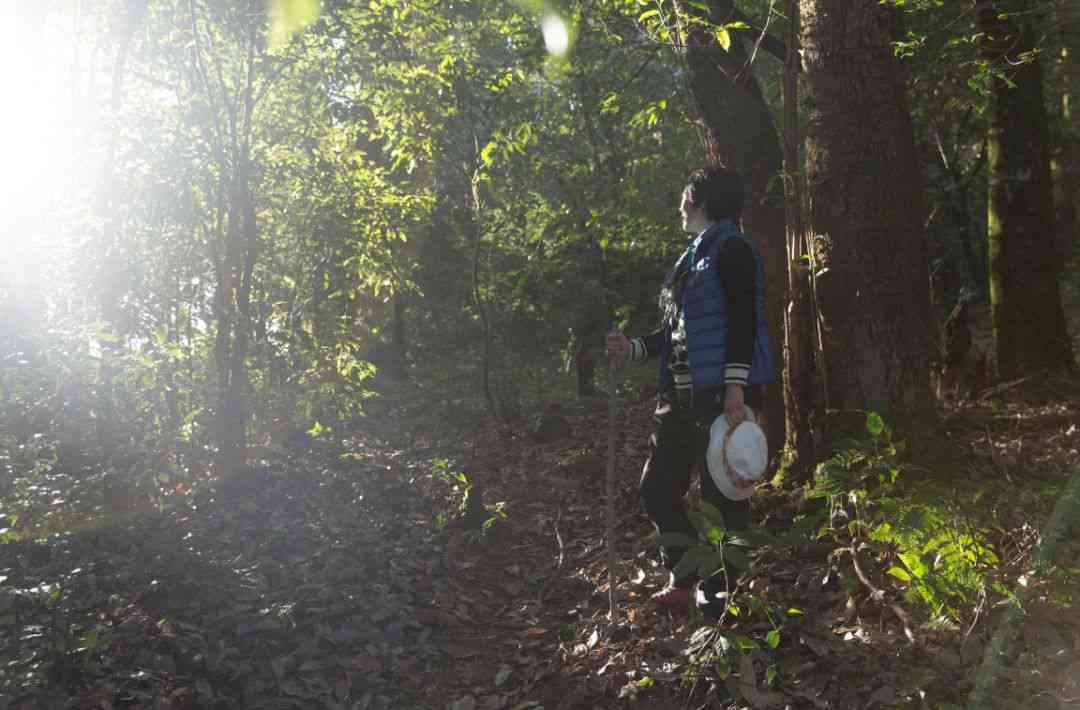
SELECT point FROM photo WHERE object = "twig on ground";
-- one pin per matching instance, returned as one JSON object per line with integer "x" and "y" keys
{"x": 978, "y": 612}
{"x": 558, "y": 562}
{"x": 1003, "y": 387}
{"x": 878, "y": 595}
{"x": 558, "y": 539}
{"x": 994, "y": 456}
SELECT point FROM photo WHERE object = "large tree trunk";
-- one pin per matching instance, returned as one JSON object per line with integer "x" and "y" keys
{"x": 866, "y": 215}
{"x": 740, "y": 133}
{"x": 1029, "y": 324}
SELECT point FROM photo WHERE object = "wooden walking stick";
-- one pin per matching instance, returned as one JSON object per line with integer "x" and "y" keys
{"x": 611, "y": 489}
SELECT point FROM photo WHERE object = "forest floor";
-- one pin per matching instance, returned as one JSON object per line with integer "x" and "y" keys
{"x": 341, "y": 579}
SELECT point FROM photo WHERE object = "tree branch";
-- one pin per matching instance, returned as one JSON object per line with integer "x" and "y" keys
{"x": 757, "y": 31}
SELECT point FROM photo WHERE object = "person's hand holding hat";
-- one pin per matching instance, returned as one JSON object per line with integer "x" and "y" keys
{"x": 738, "y": 454}
{"x": 734, "y": 407}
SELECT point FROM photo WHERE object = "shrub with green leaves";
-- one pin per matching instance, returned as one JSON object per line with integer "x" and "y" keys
{"x": 711, "y": 553}
{"x": 942, "y": 559}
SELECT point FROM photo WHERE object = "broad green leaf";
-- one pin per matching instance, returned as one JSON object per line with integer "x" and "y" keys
{"x": 875, "y": 424}
{"x": 745, "y": 643}
{"x": 915, "y": 566}
{"x": 899, "y": 573}
{"x": 487, "y": 154}
{"x": 690, "y": 561}
{"x": 737, "y": 557}
{"x": 711, "y": 564}
{"x": 773, "y": 638}
{"x": 701, "y": 524}
{"x": 647, "y": 14}
{"x": 713, "y": 515}
{"x": 723, "y": 38}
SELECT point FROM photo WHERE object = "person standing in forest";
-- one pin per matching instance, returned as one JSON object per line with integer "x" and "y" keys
{"x": 714, "y": 356}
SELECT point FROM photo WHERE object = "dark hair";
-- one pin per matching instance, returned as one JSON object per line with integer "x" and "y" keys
{"x": 717, "y": 190}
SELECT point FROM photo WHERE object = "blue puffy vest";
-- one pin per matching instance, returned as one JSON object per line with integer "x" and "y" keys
{"x": 705, "y": 313}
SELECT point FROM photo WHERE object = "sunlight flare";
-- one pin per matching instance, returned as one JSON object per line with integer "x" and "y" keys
{"x": 42, "y": 137}
{"x": 556, "y": 34}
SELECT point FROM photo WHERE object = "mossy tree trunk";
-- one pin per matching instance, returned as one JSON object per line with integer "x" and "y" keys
{"x": 1065, "y": 163}
{"x": 1029, "y": 323}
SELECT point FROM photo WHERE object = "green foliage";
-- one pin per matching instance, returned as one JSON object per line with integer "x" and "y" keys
{"x": 707, "y": 555}
{"x": 460, "y": 490}
{"x": 942, "y": 561}
{"x": 357, "y": 143}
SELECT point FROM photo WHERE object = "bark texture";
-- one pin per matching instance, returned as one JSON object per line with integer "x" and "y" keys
{"x": 866, "y": 216}
{"x": 802, "y": 401}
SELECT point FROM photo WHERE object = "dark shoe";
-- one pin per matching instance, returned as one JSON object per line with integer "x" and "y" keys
{"x": 673, "y": 596}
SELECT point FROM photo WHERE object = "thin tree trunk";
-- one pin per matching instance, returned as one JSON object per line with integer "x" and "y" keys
{"x": 867, "y": 217}
{"x": 1029, "y": 323}
{"x": 740, "y": 133}
{"x": 478, "y": 301}
{"x": 800, "y": 352}
{"x": 399, "y": 342}
{"x": 111, "y": 282}
{"x": 235, "y": 406}
{"x": 236, "y": 247}
{"x": 958, "y": 193}
{"x": 609, "y": 497}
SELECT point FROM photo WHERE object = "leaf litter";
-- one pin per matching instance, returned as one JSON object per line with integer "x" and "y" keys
{"x": 330, "y": 583}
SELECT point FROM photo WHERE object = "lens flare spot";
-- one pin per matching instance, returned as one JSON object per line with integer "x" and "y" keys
{"x": 556, "y": 35}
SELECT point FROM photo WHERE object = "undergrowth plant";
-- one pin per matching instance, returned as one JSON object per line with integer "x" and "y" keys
{"x": 936, "y": 554}
{"x": 713, "y": 552}
{"x": 462, "y": 489}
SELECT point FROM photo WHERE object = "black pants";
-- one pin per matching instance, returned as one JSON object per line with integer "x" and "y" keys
{"x": 679, "y": 441}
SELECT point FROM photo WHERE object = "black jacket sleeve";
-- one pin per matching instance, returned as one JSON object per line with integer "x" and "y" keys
{"x": 738, "y": 274}
{"x": 645, "y": 347}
